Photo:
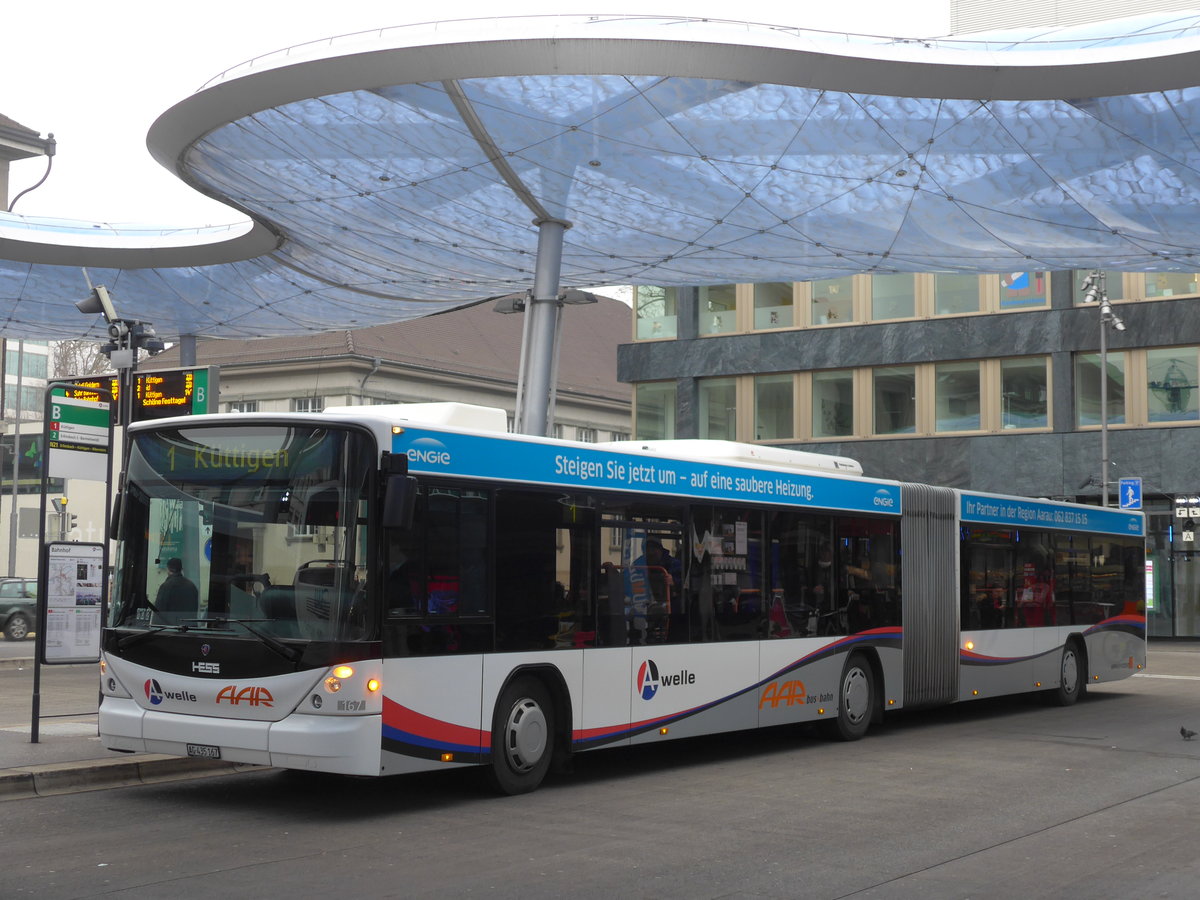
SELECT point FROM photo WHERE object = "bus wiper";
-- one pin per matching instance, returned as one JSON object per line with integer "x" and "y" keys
{"x": 130, "y": 639}
{"x": 291, "y": 654}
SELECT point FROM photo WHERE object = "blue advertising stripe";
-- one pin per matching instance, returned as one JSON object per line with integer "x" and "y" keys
{"x": 408, "y": 744}
{"x": 882, "y": 637}
{"x": 970, "y": 658}
{"x": 1134, "y": 625}
{"x": 563, "y": 465}
{"x": 992, "y": 510}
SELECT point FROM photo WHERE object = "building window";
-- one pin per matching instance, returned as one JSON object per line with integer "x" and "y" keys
{"x": 1087, "y": 389}
{"x": 773, "y": 305}
{"x": 308, "y": 404}
{"x": 1168, "y": 284}
{"x": 586, "y": 435}
{"x": 242, "y": 406}
{"x": 718, "y": 309}
{"x": 956, "y": 396}
{"x": 33, "y": 365}
{"x": 893, "y": 296}
{"x": 1113, "y": 285}
{"x": 1023, "y": 289}
{"x": 557, "y": 431}
{"x": 618, "y": 435}
{"x": 955, "y": 295}
{"x": 654, "y": 411}
{"x": 774, "y": 405}
{"x": 832, "y": 404}
{"x": 1023, "y": 393}
{"x": 1171, "y": 385}
{"x": 33, "y": 400}
{"x": 832, "y": 301}
{"x": 718, "y": 409}
{"x": 895, "y": 397}
{"x": 656, "y": 312}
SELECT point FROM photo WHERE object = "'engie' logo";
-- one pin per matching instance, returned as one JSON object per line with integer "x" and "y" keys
{"x": 648, "y": 680}
{"x": 428, "y": 452}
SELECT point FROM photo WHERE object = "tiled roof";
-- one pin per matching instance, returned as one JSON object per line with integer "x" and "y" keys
{"x": 473, "y": 341}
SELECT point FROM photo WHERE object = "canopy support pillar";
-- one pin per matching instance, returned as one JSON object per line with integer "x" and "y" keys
{"x": 539, "y": 349}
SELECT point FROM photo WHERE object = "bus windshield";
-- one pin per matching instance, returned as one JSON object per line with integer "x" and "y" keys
{"x": 257, "y": 530}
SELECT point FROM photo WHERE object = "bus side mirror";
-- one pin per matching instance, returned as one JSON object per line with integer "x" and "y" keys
{"x": 399, "y": 498}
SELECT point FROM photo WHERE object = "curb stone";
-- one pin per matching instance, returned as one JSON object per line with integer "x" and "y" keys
{"x": 24, "y": 782}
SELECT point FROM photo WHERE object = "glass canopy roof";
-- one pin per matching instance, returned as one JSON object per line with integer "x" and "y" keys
{"x": 391, "y": 175}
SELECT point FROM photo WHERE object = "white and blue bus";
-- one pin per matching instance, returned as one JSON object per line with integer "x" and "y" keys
{"x": 391, "y": 589}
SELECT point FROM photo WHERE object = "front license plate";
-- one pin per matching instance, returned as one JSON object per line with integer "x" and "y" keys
{"x": 204, "y": 751}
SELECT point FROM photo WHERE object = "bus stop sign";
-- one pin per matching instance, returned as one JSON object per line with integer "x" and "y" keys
{"x": 1131, "y": 493}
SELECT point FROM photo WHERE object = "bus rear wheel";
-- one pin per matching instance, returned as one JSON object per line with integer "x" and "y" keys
{"x": 856, "y": 700}
{"x": 522, "y": 737}
{"x": 1072, "y": 677}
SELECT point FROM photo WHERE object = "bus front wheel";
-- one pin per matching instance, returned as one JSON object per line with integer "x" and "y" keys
{"x": 856, "y": 700}
{"x": 522, "y": 737}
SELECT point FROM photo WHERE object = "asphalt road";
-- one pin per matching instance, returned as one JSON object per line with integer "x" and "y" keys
{"x": 1002, "y": 798}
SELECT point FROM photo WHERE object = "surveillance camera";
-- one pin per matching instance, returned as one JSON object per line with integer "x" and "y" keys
{"x": 98, "y": 301}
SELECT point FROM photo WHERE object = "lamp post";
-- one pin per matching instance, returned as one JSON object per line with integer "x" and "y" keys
{"x": 1095, "y": 291}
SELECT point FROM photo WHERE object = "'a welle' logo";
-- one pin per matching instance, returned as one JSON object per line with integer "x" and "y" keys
{"x": 649, "y": 681}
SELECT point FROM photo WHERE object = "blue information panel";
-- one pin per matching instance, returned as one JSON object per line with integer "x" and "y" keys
{"x": 529, "y": 462}
{"x": 1131, "y": 493}
{"x": 1047, "y": 514}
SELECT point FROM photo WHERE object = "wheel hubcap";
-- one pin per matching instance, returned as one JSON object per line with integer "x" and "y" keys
{"x": 525, "y": 735}
{"x": 18, "y": 629}
{"x": 856, "y": 695}
{"x": 1070, "y": 672}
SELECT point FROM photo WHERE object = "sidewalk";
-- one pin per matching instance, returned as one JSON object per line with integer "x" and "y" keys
{"x": 69, "y": 758}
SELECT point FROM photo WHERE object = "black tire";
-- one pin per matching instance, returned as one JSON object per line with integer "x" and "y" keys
{"x": 856, "y": 700}
{"x": 1072, "y": 683}
{"x": 16, "y": 628}
{"x": 522, "y": 737}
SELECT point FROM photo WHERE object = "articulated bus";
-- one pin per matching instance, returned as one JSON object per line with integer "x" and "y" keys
{"x": 392, "y": 589}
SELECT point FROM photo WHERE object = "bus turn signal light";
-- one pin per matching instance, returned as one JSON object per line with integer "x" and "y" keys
{"x": 373, "y": 685}
{"x": 343, "y": 671}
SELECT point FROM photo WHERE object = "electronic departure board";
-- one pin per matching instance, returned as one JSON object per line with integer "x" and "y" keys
{"x": 168, "y": 392}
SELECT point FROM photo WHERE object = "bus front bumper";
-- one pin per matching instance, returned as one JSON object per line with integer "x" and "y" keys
{"x": 347, "y": 745}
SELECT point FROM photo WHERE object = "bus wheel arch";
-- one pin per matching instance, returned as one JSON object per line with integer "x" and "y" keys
{"x": 859, "y": 689}
{"x": 530, "y": 723}
{"x": 1072, "y": 674}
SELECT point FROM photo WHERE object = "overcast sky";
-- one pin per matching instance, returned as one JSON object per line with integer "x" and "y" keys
{"x": 97, "y": 75}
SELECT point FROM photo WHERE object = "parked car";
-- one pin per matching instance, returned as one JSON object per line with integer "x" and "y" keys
{"x": 18, "y": 607}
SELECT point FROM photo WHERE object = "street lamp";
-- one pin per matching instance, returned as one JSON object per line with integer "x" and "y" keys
{"x": 1095, "y": 291}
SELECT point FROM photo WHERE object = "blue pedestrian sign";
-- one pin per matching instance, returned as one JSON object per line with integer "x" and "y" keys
{"x": 1131, "y": 493}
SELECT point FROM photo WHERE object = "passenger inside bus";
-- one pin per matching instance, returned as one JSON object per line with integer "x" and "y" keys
{"x": 178, "y": 599}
